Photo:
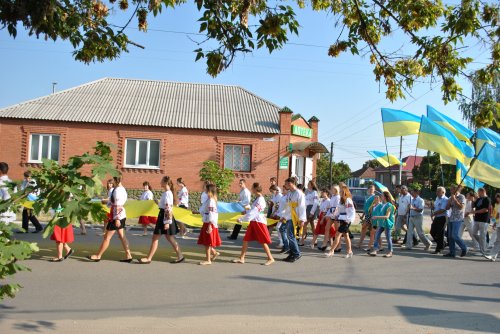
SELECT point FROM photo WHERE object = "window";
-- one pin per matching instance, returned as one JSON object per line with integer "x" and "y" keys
{"x": 142, "y": 153}
{"x": 237, "y": 157}
{"x": 44, "y": 146}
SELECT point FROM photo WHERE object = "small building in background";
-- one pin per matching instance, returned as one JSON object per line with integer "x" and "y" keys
{"x": 361, "y": 176}
{"x": 163, "y": 128}
{"x": 389, "y": 175}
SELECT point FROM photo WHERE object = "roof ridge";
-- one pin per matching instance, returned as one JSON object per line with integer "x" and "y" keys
{"x": 174, "y": 82}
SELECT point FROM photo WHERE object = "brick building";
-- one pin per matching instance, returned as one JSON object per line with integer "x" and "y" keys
{"x": 163, "y": 128}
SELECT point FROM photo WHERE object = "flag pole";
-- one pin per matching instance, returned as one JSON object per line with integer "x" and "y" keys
{"x": 400, "y": 175}
{"x": 472, "y": 163}
{"x": 390, "y": 166}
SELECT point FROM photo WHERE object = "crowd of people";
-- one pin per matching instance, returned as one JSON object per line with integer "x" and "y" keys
{"x": 292, "y": 210}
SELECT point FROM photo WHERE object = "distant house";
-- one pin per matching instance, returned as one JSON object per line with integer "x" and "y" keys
{"x": 358, "y": 178}
{"x": 384, "y": 174}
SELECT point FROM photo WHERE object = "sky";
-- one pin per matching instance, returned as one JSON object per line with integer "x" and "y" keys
{"x": 341, "y": 92}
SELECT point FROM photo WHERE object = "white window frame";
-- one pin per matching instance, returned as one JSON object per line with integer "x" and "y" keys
{"x": 40, "y": 143}
{"x": 249, "y": 154}
{"x": 138, "y": 140}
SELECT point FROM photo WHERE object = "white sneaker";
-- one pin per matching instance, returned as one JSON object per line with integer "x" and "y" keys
{"x": 489, "y": 257}
{"x": 428, "y": 247}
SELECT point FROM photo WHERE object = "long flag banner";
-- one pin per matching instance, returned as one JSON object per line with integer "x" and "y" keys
{"x": 486, "y": 167}
{"x": 446, "y": 160}
{"x": 399, "y": 123}
{"x": 385, "y": 159}
{"x": 433, "y": 137}
{"x": 484, "y": 135}
{"x": 460, "y": 131}
{"x": 465, "y": 179}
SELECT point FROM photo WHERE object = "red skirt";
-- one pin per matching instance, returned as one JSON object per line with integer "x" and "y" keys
{"x": 257, "y": 232}
{"x": 63, "y": 234}
{"x": 209, "y": 239}
{"x": 146, "y": 220}
{"x": 321, "y": 226}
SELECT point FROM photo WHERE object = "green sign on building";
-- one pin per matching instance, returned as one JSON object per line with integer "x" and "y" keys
{"x": 303, "y": 132}
{"x": 283, "y": 162}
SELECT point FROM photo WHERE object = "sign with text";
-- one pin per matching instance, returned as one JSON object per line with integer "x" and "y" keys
{"x": 301, "y": 131}
{"x": 283, "y": 164}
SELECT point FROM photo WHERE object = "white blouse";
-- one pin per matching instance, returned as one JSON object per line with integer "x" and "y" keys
{"x": 312, "y": 198}
{"x": 120, "y": 197}
{"x": 183, "y": 195}
{"x": 346, "y": 211}
{"x": 147, "y": 196}
{"x": 256, "y": 213}
{"x": 334, "y": 203}
{"x": 166, "y": 201}
{"x": 297, "y": 197}
{"x": 209, "y": 213}
{"x": 324, "y": 206}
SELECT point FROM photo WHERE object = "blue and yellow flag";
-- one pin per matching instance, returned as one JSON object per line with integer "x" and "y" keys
{"x": 468, "y": 181}
{"x": 399, "y": 123}
{"x": 484, "y": 135}
{"x": 459, "y": 130}
{"x": 433, "y": 137}
{"x": 486, "y": 167}
{"x": 446, "y": 160}
{"x": 385, "y": 159}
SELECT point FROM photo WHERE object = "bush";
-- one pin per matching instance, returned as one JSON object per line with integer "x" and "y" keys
{"x": 221, "y": 177}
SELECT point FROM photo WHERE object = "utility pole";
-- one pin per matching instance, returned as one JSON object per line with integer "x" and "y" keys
{"x": 400, "y": 175}
{"x": 331, "y": 165}
{"x": 54, "y": 87}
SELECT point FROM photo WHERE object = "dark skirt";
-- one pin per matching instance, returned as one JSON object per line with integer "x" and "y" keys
{"x": 172, "y": 229}
{"x": 112, "y": 227}
{"x": 344, "y": 226}
{"x": 308, "y": 212}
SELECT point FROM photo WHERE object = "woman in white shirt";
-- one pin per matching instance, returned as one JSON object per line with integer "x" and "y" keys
{"x": 331, "y": 224}
{"x": 209, "y": 234}
{"x": 165, "y": 224}
{"x": 257, "y": 229}
{"x": 312, "y": 203}
{"x": 183, "y": 202}
{"x": 345, "y": 214}
{"x": 117, "y": 223}
{"x": 147, "y": 195}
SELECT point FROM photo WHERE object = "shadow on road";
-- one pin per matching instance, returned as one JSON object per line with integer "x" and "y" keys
{"x": 35, "y": 326}
{"x": 471, "y": 321}
{"x": 400, "y": 292}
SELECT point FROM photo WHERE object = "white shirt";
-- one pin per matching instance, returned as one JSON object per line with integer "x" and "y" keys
{"x": 256, "y": 213}
{"x": 334, "y": 203}
{"x": 245, "y": 198}
{"x": 346, "y": 211}
{"x": 120, "y": 197}
{"x": 4, "y": 191}
{"x": 282, "y": 206}
{"x": 147, "y": 196}
{"x": 440, "y": 204}
{"x": 166, "y": 200}
{"x": 324, "y": 206}
{"x": 403, "y": 204}
{"x": 276, "y": 203}
{"x": 183, "y": 195}
{"x": 418, "y": 203}
{"x": 297, "y": 197}
{"x": 312, "y": 198}
{"x": 209, "y": 212}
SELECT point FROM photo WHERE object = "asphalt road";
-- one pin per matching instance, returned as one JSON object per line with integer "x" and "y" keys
{"x": 413, "y": 292}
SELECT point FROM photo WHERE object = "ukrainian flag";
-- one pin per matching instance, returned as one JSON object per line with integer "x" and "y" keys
{"x": 399, "y": 123}
{"x": 485, "y": 135}
{"x": 486, "y": 167}
{"x": 446, "y": 160}
{"x": 468, "y": 181}
{"x": 460, "y": 131}
{"x": 433, "y": 137}
{"x": 385, "y": 159}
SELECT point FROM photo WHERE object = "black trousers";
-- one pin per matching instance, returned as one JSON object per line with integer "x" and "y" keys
{"x": 437, "y": 232}
{"x": 29, "y": 217}
{"x": 236, "y": 231}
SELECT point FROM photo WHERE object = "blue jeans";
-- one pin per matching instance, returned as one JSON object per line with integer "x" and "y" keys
{"x": 453, "y": 237}
{"x": 292, "y": 242}
{"x": 379, "y": 232}
{"x": 284, "y": 238}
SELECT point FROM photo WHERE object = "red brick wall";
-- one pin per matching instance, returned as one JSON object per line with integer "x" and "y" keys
{"x": 182, "y": 150}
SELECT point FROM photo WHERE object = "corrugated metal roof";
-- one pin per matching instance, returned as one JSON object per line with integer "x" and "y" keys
{"x": 154, "y": 103}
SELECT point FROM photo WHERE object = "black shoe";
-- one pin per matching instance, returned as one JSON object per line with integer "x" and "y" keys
{"x": 230, "y": 237}
{"x": 127, "y": 260}
{"x": 284, "y": 251}
{"x": 292, "y": 259}
{"x": 464, "y": 253}
{"x": 322, "y": 248}
{"x": 286, "y": 259}
{"x": 448, "y": 255}
{"x": 339, "y": 250}
{"x": 178, "y": 261}
{"x": 298, "y": 257}
{"x": 436, "y": 252}
{"x": 69, "y": 253}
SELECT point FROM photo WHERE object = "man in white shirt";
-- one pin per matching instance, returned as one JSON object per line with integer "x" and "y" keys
{"x": 244, "y": 199}
{"x": 439, "y": 216}
{"x": 416, "y": 220}
{"x": 27, "y": 214}
{"x": 403, "y": 204}
{"x": 295, "y": 211}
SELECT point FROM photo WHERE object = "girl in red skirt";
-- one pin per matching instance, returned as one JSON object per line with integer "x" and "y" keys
{"x": 257, "y": 229}
{"x": 62, "y": 236}
{"x": 324, "y": 207}
{"x": 209, "y": 234}
{"x": 147, "y": 195}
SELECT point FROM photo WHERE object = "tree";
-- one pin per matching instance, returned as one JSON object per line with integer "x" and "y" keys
{"x": 373, "y": 163}
{"x": 438, "y": 35}
{"x": 221, "y": 177}
{"x": 68, "y": 187}
{"x": 340, "y": 171}
{"x": 483, "y": 107}
{"x": 429, "y": 172}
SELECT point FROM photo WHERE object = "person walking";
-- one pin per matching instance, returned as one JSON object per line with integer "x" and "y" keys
{"x": 147, "y": 195}
{"x": 403, "y": 205}
{"x": 385, "y": 223}
{"x": 209, "y": 234}
{"x": 295, "y": 217}
{"x": 183, "y": 202}
{"x": 312, "y": 204}
{"x": 456, "y": 203}
{"x": 439, "y": 216}
{"x": 469, "y": 220}
{"x": 244, "y": 200}
{"x": 481, "y": 210}
{"x": 366, "y": 217}
{"x": 495, "y": 220}
{"x": 415, "y": 223}
{"x": 27, "y": 215}
{"x": 331, "y": 223}
{"x": 345, "y": 214}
